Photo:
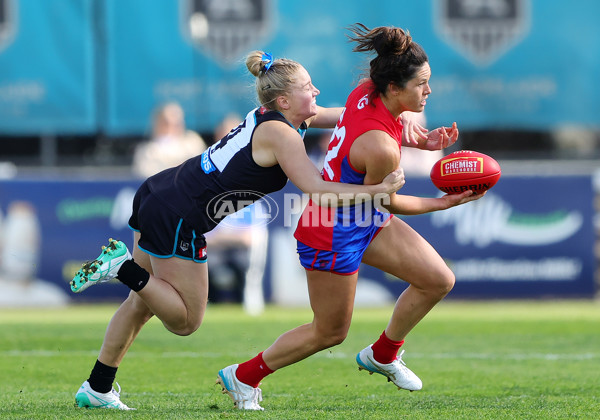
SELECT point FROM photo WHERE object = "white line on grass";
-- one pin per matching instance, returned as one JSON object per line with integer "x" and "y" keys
{"x": 324, "y": 354}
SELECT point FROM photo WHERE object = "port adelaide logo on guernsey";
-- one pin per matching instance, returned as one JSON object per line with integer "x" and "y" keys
{"x": 483, "y": 30}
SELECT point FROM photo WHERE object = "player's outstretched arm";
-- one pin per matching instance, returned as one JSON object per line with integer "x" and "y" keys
{"x": 325, "y": 118}
{"x": 411, "y": 205}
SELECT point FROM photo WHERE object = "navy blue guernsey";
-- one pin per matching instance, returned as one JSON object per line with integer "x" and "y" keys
{"x": 225, "y": 170}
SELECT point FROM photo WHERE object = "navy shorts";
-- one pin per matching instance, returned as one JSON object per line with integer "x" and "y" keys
{"x": 163, "y": 233}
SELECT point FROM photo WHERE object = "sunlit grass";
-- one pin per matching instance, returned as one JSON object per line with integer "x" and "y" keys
{"x": 477, "y": 360}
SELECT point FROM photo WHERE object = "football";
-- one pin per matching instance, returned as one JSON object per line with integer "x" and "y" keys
{"x": 465, "y": 170}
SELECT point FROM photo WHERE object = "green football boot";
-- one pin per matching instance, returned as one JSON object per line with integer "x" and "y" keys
{"x": 102, "y": 269}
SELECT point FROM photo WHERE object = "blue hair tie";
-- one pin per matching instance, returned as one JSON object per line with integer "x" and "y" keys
{"x": 268, "y": 60}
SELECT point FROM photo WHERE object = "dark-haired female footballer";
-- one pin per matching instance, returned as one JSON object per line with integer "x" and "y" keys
{"x": 333, "y": 241}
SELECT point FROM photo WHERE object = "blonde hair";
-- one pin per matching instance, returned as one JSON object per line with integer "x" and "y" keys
{"x": 272, "y": 80}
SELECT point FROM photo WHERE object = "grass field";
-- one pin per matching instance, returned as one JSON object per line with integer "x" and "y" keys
{"x": 487, "y": 360}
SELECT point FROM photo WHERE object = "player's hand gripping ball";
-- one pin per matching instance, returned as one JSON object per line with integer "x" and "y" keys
{"x": 465, "y": 170}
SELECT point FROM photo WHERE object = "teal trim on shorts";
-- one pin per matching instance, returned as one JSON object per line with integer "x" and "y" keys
{"x": 177, "y": 236}
{"x": 172, "y": 255}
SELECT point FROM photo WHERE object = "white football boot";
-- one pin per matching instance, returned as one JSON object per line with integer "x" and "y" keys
{"x": 396, "y": 372}
{"x": 244, "y": 396}
{"x": 87, "y": 397}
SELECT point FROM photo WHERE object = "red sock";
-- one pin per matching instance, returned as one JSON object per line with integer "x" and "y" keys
{"x": 386, "y": 350}
{"x": 253, "y": 371}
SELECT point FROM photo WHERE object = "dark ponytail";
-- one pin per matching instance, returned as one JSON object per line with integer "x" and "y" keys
{"x": 398, "y": 57}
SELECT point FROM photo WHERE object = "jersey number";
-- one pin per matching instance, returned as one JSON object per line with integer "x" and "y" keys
{"x": 223, "y": 142}
{"x": 337, "y": 138}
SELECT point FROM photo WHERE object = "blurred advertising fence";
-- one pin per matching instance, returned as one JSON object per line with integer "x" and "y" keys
{"x": 523, "y": 240}
{"x": 101, "y": 66}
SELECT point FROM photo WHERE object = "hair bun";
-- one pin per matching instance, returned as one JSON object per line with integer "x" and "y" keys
{"x": 391, "y": 41}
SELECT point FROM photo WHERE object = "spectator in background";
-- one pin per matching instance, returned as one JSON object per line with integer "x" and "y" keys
{"x": 20, "y": 254}
{"x": 228, "y": 122}
{"x": 170, "y": 145}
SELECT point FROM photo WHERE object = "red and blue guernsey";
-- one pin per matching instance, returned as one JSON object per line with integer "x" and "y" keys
{"x": 348, "y": 228}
